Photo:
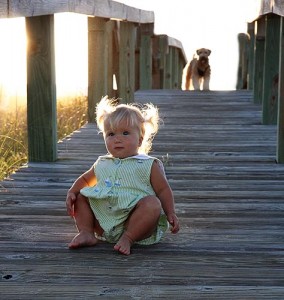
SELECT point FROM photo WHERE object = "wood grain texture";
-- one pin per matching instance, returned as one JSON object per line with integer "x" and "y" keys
{"x": 220, "y": 162}
{"x": 98, "y": 8}
{"x": 41, "y": 89}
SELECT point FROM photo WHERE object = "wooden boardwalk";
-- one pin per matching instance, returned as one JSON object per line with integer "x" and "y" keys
{"x": 229, "y": 194}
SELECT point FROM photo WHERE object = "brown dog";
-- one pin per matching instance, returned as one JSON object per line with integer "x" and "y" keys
{"x": 198, "y": 71}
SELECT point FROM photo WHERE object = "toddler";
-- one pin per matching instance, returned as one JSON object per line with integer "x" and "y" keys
{"x": 124, "y": 198}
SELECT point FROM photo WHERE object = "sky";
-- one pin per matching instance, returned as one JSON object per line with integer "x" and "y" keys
{"x": 212, "y": 24}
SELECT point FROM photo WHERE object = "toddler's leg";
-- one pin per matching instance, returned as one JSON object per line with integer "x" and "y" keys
{"x": 86, "y": 224}
{"x": 141, "y": 223}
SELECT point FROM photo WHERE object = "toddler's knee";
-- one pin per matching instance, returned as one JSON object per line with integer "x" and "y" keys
{"x": 152, "y": 203}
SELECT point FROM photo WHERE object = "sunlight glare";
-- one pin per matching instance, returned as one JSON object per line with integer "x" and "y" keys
{"x": 12, "y": 61}
{"x": 71, "y": 42}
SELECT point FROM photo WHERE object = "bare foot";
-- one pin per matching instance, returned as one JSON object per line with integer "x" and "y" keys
{"x": 83, "y": 239}
{"x": 124, "y": 244}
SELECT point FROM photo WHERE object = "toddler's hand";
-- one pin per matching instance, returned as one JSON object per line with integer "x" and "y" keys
{"x": 70, "y": 200}
{"x": 173, "y": 220}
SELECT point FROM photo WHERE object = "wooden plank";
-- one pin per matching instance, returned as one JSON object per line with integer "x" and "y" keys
{"x": 280, "y": 118}
{"x": 98, "y": 8}
{"x": 41, "y": 90}
{"x": 278, "y": 8}
{"x": 220, "y": 162}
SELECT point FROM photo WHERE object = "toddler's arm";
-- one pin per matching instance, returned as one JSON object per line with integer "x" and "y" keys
{"x": 86, "y": 179}
{"x": 164, "y": 193}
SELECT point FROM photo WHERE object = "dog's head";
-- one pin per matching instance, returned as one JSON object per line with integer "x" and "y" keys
{"x": 203, "y": 54}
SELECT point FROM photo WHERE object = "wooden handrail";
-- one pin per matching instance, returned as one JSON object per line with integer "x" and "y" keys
{"x": 268, "y": 7}
{"x": 98, "y": 8}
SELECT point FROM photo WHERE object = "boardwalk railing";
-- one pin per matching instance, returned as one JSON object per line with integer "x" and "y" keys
{"x": 262, "y": 65}
{"x": 121, "y": 43}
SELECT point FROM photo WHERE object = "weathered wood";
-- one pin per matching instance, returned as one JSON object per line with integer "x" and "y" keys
{"x": 220, "y": 162}
{"x": 97, "y": 64}
{"x": 176, "y": 84}
{"x": 41, "y": 91}
{"x": 259, "y": 61}
{"x": 271, "y": 70}
{"x": 278, "y": 7}
{"x": 271, "y": 6}
{"x": 145, "y": 56}
{"x": 251, "y": 56}
{"x": 168, "y": 75}
{"x": 156, "y": 71}
{"x": 168, "y": 62}
{"x": 280, "y": 119}
{"x": 163, "y": 51}
{"x": 109, "y": 58}
{"x": 242, "y": 79}
{"x": 98, "y": 8}
{"x": 126, "y": 61}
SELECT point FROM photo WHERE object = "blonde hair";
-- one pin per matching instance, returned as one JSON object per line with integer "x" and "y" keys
{"x": 144, "y": 117}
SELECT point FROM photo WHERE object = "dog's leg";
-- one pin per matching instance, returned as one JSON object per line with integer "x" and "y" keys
{"x": 196, "y": 83}
{"x": 206, "y": 84}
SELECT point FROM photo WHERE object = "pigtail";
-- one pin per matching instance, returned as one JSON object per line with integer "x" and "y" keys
{"x": 104, "y": 108}
{"x": 151, "y": 126}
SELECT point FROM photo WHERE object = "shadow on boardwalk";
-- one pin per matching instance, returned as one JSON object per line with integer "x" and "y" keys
{"x": 229, "y": 191}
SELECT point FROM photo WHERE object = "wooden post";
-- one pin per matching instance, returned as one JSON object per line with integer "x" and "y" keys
{"x": 137, "y": 56}
{"x": 109, "y": 58}
{"x": 271, "y": 70}
{"x": 97, "y": 66}
{"x": 126, "y": 81}
{"x": 145, "y": 66}
{"x": 156, "y": 74}
{"x": 280, "y": 127}
{"x": 259, "y": 60}
{"x": 168, "y": 68}
{"x": 242, "y": 82}
{"x": 181, "y": 65}
{"x": 251, "y": 33}
{"x": 115, "y": 54}
{"x": 175, "y": 69}
{"x": 41, "y": 91}
{"x": 163, "y": 52}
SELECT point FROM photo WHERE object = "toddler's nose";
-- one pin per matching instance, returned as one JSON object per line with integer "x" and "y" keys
{"x": 116, "y": 139}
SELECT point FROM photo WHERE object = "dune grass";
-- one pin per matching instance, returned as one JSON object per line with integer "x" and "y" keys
{"x": 71, "y": 115}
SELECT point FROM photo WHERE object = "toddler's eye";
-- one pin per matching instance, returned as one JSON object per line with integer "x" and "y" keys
{"x": 110, "y": 134}
{"x": 125, "y": 132}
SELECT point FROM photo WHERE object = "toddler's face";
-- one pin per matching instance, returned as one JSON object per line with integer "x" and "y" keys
{"x": 123, "y": 141}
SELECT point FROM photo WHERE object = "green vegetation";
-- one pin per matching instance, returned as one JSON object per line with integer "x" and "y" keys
{"x": 71, "y": 115}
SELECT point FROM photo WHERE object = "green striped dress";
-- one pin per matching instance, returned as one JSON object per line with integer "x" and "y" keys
{"x": 121, "y": 183}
